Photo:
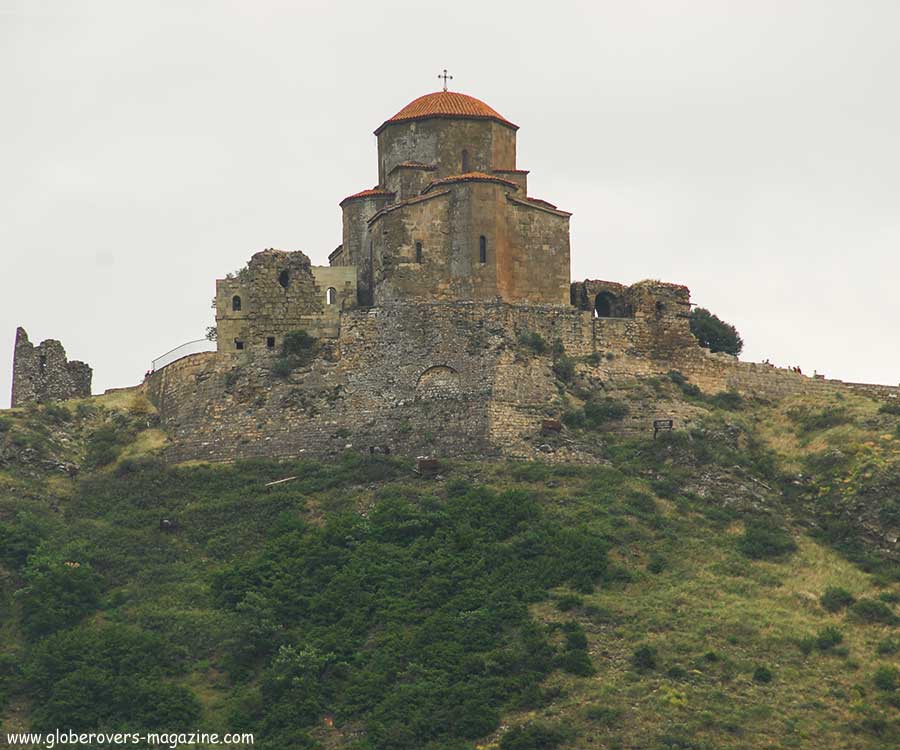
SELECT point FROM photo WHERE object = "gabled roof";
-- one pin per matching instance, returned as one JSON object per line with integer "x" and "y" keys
{"x": 449, "y": 104}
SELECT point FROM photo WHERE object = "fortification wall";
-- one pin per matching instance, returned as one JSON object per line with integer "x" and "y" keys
{"x": 443, "y": 378}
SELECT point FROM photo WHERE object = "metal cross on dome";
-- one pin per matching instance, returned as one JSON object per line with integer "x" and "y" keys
{"x": 445, "y": 77}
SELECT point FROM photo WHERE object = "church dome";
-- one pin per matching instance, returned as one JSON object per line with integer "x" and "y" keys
{"x": 446, "y": 104}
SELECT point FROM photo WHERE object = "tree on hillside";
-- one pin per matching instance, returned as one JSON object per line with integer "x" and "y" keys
{"x": 715, "y": 334}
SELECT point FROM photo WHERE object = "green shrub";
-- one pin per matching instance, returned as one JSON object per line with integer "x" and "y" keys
{"x": 564, "y": 369}
{"x": 873, "y": 611}
{"x": 892, "y": 408}
{"x": 20, "y": 539}
{"x": 762, "y": 675}
{"x": 298, "y": 349}
{"x": 533, "y": 341}
{"x": 574, "y": 658}
{"x": 535, "y": 736}
{"x": 568, "y": 602}
{"x": 297, "y": 344}
{"x": 576, "y": 639}
{"x": 5, "y": 424}
{"x": 644, "y": 658}
{"x": 413, "y": 620}
{"x": 605, "y": 715}
{"x": 105, "y": 445}
{"x": 829, "y": 637}
{"x": 888, "y": 646}
{"x": 815, "y": 420}
{"x": 657, "y": 564}
{"x": 836, "y": 598}
{"x": 889, "y": 597}
{"x": 57, "y": 413}
{"x": 715, "y": 334}
{"x": 606, "y": 410}
{"x": 575, "y": 662}
{"x": 107, "y": 676}
{"x": 57, "y": 595}
{"x": 282, "y": 367}
{"x": 763, "y": 541}
{"x": 807, "y": 644}
{"x": 686, "y": 387}
{"x": 727, "y": 400}
{"x": 887, "y": 678}
{"x": 595, "y": 414}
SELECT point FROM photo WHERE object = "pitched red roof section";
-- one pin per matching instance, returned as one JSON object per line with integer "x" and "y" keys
{"x": 470, "y": 177}
{"x": 371, "y": 192}
{"x": 446, "y": 104}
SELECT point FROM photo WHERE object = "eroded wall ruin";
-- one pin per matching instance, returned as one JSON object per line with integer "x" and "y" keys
{"x": 42, "y": 373}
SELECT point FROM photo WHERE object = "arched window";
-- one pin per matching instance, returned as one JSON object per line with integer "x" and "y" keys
{"x": 331, "y": 295}
{"x": 236, "y": 303}
{"x": 418, "y": 252}
{"x": 482, "y": 249}
{"x": 284, "y": 278}
{"x": 465, "y": 161}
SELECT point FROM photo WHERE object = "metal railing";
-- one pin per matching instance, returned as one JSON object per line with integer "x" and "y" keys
{"x": 191, "y": 347}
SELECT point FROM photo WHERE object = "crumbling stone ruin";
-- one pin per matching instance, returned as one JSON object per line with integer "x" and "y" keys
{"x": 421, "y": 335}
{"x": 276, "y": 293}
{"x": 42, "y": 373}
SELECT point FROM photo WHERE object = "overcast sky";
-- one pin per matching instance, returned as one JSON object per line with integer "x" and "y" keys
{"x": 750, "y": 150}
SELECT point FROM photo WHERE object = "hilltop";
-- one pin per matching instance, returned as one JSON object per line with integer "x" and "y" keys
{"x": 731, "y": 585}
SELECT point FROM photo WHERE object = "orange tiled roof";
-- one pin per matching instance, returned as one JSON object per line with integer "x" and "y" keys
{"x": 446, "y": 104}
{"x": 470, "y": 177}
{"x": 375, "y": 191}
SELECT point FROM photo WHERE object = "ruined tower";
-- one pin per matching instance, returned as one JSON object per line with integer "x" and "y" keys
{"x": 42, "y": 373}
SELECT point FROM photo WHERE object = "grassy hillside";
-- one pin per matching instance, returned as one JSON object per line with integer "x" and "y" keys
{"x": 731, "y": 586}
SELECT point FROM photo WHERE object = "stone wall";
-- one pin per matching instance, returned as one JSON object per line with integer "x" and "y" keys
{"x": 356, "y": 246}
{"x": 449, "y": 379}
{"x": 441, "y": 142}
{"x": 42, "y": 373}
{"x": 279, "y": 292}
{"x": 430, "y": 248}
{"x": 409, "y": 179}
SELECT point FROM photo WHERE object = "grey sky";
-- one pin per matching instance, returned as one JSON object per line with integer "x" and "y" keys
{"x": 746, "y": 149}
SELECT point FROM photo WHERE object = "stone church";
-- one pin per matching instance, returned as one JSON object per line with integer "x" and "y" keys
{"x": 446, "y": 324}
{"x": 450, "y": 217}
{"x": 449, "y": 220}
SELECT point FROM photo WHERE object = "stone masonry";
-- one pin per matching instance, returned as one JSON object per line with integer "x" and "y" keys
{"x": 419, "y": 328}
{"x": 42, "y": 373}
{"x": 446, "y": 378}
